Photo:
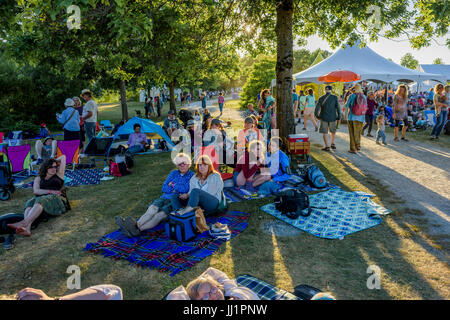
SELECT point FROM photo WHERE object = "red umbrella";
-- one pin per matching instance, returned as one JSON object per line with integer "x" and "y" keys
{"x": 340, "y": 76}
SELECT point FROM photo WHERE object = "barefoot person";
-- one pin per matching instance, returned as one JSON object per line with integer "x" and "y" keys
{"x": 47, "y": 188}
{"x": 177, "y": 183}
{"x": 99, "y": 292}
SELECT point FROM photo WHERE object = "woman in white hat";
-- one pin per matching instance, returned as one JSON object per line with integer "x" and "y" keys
{"x": 70, "y": 120}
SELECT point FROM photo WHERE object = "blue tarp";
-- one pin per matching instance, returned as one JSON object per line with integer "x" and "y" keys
{"x": 147, "y": 126}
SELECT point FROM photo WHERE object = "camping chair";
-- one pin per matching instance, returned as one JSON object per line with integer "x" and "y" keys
{"x": 71, "y": 149}
{"x": 106, "y": 124}
{"x": 14, "y": 138}
{"x": 99, "y": 147}
{"x": 19, "y": 158}
{"x": 430, "y": 117}
{"x": 210, "y": 151}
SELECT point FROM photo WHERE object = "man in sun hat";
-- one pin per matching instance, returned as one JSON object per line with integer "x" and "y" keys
{"x": 89, "y": 115}
{"x": 328, "y": 111}
{"x": 70, "y": 120}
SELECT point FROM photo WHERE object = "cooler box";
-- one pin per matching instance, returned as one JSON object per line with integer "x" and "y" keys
{"x": 298, "y": 138}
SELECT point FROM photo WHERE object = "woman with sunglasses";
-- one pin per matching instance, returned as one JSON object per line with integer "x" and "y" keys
{"x": 47, "y": 198}
{"x": 176, "y": 184}
{"x": 205, "y": 190}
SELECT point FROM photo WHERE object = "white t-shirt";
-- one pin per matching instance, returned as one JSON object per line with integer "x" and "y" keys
{"x": 91, "y": 105}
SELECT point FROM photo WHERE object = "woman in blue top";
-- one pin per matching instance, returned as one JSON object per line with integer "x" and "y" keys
{"x": 267, "y": 105}
{"x": 70, "y": 119}
{"x": 309, "y": 110}
{"x": 177, "y": 183}
{"x": 355, "y": 122}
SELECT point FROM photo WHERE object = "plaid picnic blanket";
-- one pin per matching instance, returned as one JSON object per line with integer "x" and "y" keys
{"x": 264, "y": 290}
{"x": 345, "y": 213}
{"x": 79, "y": 177}
{"x": 250, "y": 193}
{"x": 154, "y": 250}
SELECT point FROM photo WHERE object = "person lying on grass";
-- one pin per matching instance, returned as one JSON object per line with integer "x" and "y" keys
{"x": 47, "y": 198}
{"x": 205, "y": 190}
{"x": 213, "y": 284}
{"x": 100, "y": 292}
{"x": 250, "y": 166}
{"x": 176, "y": 184}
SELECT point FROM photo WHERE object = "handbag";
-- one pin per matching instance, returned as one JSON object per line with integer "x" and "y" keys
{"x": 71, "y": 115}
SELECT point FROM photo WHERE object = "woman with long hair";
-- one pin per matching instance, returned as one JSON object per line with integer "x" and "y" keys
{"x": 205, "y": 190}
{"x": 301, "y": 105}
{"x": 249, "y": 167}
{"x": 400, "y": 111}
{"x": 308, "y": 113}
{"x": 267, "y": 105}
{"x": 440, "y": 99}
{"x": 47, "y": 198}
{"x": 355, "y": 122}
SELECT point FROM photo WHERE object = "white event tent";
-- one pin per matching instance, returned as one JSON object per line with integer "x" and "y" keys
{"x": 367, "y": 63}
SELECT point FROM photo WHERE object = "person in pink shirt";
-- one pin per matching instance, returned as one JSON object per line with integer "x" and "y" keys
{"x": 221, "y": 101}
{"x": 137, "y": 141}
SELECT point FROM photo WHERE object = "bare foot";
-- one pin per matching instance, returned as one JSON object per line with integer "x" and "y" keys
{"x": 16, "y": 225}
{"x": 23, "y": 231}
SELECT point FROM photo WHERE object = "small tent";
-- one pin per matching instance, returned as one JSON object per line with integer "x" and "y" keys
{"x": 152, "y": 129}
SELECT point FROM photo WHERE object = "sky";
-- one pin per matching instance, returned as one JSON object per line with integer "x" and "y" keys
{"x": 394, "y": 49}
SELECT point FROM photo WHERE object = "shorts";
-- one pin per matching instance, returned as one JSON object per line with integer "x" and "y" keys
{"x": 325, "y": 126}
{"x": 163, "y": 204}
{"x": 308, "y": 111}
{"x": 397, "y": 122}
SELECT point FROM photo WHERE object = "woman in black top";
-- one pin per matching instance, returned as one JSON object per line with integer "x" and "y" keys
{"x": 47, "y": 198}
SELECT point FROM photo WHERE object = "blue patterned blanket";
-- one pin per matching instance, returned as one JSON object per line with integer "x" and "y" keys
{"x": 346, "y": 213}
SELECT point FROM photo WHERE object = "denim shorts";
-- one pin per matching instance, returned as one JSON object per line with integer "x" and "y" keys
{"x": 163, "y": 204}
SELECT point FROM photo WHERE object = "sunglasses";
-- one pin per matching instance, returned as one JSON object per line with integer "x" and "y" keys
{"x": 56, "y": 167}
{"x": 182, "y": 164}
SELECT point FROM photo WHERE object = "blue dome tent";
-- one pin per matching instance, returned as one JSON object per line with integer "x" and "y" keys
{"x": 147, "y": 126}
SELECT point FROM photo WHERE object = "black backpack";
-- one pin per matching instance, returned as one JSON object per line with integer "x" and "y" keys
{"x": 292, "y": 203}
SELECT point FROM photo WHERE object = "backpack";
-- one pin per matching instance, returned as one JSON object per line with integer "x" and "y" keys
{"x": 292, "y": 203}
{"x": 118, "y": 169}
{"x": 359, "y": 107}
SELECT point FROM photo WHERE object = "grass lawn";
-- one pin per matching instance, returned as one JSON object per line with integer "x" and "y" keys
{"x": 413, "y": 266}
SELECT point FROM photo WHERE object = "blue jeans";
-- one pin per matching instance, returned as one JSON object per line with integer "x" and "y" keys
{"x": 221, "y": 107}
{"x": 89, "y": 128}
{"x": 197, "y": 197}
{"x": 440, "y": 123}
{"x": 381, "y": 135}
{"x": 135, "y": 149}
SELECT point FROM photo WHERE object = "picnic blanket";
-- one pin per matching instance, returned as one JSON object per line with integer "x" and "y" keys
{"x": 264, "y": 290}
{"x": 79, "y": 177}
{"x": 346, "y": 213}
{"x": 154, "y": 250}
{"x": 23, "y": 175}
{"x": 248, "y": 192}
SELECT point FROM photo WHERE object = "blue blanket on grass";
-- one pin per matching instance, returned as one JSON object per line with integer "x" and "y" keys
{"x": 346, "y": 213}
{"x": 79, "y": 177}
{"x": 154, "y": 250}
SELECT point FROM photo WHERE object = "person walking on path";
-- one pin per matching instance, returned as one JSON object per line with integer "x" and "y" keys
{"x": 158, "y": 104}
{"x": 355, "y": 122}
{"x": 294, "y": 102}
{"x": 309, "y": 110}
{"x": 90, "y": 111}
{"x": 441, "y": 104}
{"x": 400, "y": 111}
{"x": 203, "y": 98}
{"x": 328, "y": 111}
{"x": 221, "y": 101}
{"x": 381, "y": 135}
{"x": 369, "y": 114}
{"x": 301, "y": 105}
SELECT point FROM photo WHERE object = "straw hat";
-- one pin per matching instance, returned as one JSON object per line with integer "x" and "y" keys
{"x": 85, "y": 91}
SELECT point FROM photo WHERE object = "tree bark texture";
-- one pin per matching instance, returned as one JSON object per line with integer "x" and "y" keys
{"x": 284, "y": 67}
{"x": 172, "y": 96}
{"x": 123, "y": 100}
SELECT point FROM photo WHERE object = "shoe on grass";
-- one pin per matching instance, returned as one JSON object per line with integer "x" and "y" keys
{"x": 121, "y": 223}
{"x": 131, "y": 226}
{"x": 9, "y": 242}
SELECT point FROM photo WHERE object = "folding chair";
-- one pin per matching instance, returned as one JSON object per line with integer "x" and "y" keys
{"x": 71, "y": 149}
{"x": 430, "y": 116}
{"x": 106, "y": 124}
{"x": 20, "y": 158}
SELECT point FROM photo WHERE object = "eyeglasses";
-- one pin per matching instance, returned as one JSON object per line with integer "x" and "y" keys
{"x": 213, "y": 291}
{"x": 182, "y": 164}
{"x": 54, "y": 167}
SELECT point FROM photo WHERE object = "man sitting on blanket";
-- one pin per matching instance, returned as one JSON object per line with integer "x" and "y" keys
{"x": 177, "y": 183}
{"x": 137, "y": 141}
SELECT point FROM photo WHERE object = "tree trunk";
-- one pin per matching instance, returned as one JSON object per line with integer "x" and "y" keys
{"x": 123, "y": 100}
{"x": 285, "y": 60}
{"x": 172, "y": 95}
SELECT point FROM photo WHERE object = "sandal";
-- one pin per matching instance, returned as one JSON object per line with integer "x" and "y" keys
{"x": 396, "y": 139}
{"x": 404, "y": 139}
{"x": 326, "y": 149}
{"x": 333, "y": 146}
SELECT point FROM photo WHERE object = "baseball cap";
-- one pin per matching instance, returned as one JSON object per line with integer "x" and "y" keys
{"x": 171, "y": 112}
{"x": 328, "y": 88}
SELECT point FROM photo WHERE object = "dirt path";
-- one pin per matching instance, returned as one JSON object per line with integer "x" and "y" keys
{"x": 416, "y": 172}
